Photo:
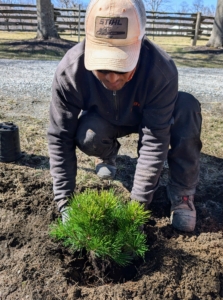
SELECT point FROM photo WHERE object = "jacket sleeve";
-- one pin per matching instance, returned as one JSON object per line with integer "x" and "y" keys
{"x": 154, "y": 138}
{"x": 64, "y": 111}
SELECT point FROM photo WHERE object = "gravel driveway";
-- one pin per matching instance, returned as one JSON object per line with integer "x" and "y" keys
{"x": 31, "y": 80}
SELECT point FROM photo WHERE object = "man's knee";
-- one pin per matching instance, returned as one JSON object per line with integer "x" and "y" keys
{"x": 94, "y": 135}
{"x": 187, "y": 102}
{"x": 85, "y": 140}
{"x": 187, "y": 117}
{"x": 187, "y": 111}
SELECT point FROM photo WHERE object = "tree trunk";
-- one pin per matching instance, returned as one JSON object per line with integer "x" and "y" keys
{"x": 216, "y": 39}
{"x": 45, "y": 20}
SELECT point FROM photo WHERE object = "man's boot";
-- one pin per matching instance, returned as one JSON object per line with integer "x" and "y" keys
{"x": 182, "y": 212}
{"x": 106, "y": 167}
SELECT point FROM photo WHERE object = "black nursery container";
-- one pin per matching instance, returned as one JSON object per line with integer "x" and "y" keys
{"x": 9, "y": 142}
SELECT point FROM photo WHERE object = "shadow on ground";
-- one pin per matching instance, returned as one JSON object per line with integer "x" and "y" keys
{"x": 33, "y": 161}
{"x": 28, "y": 48}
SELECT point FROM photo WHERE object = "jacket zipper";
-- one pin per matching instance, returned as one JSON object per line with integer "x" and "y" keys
{"x": 116, "y": 105}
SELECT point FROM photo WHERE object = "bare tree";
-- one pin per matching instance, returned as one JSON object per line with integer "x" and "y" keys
{"x": 155, "y": 5}
{"x": 216, "y": 39}
{"x": 184, "y": 7}
{"x": 197, "y": 6}
{"x": 45, "y": 20}
{"x": 68, "y": 3}
{"x": 212, "y": 10}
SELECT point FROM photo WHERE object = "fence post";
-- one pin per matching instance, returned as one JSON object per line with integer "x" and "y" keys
{"x": 79, "y": 21}
{"x": 197, "y": 28}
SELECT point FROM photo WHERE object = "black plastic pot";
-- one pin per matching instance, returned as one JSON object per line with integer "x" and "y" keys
{"x": 9, "y": 142}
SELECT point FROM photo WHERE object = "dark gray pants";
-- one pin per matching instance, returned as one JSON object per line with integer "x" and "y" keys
{"x": 97, "y": 137}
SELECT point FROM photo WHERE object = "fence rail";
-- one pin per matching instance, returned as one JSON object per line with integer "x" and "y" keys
{"x": 22, "y": 17}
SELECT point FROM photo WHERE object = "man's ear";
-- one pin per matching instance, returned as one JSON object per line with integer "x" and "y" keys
{"x": 131, "y": 74}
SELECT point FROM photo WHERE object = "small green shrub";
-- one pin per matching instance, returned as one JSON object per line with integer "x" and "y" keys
{"x": 104, "y": 225}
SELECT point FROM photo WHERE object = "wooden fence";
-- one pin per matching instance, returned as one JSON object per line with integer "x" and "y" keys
{"x": 21, "y": 17}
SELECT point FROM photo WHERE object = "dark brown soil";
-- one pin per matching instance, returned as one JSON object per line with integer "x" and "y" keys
{"x": 178, "y": 265}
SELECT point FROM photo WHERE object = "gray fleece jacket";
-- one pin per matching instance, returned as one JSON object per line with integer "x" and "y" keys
{"x": 147, "y": 100}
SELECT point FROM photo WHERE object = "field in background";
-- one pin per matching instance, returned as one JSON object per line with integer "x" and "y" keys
{"x": 17, "y": 45}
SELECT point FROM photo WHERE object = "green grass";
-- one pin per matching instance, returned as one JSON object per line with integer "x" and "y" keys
{"x": 179, "y": 49}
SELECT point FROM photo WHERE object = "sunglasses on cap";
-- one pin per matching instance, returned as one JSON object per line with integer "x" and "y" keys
{"x": 109, "y": 71}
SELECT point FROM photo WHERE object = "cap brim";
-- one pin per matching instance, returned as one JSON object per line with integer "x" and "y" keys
{"x": 108, "y": 57}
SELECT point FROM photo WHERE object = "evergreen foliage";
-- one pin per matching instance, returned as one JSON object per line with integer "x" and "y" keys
{"x": 103, "y": 224}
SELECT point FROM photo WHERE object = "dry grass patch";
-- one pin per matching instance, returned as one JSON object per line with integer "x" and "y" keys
{"x": 171, "y": 43}
{"x": 33, "y": 142}
{"x": 184, "y": 54}
{"x": 212, "y": 131}
{"x": 14, "y": 35}
{"x": 211, "y": 177}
